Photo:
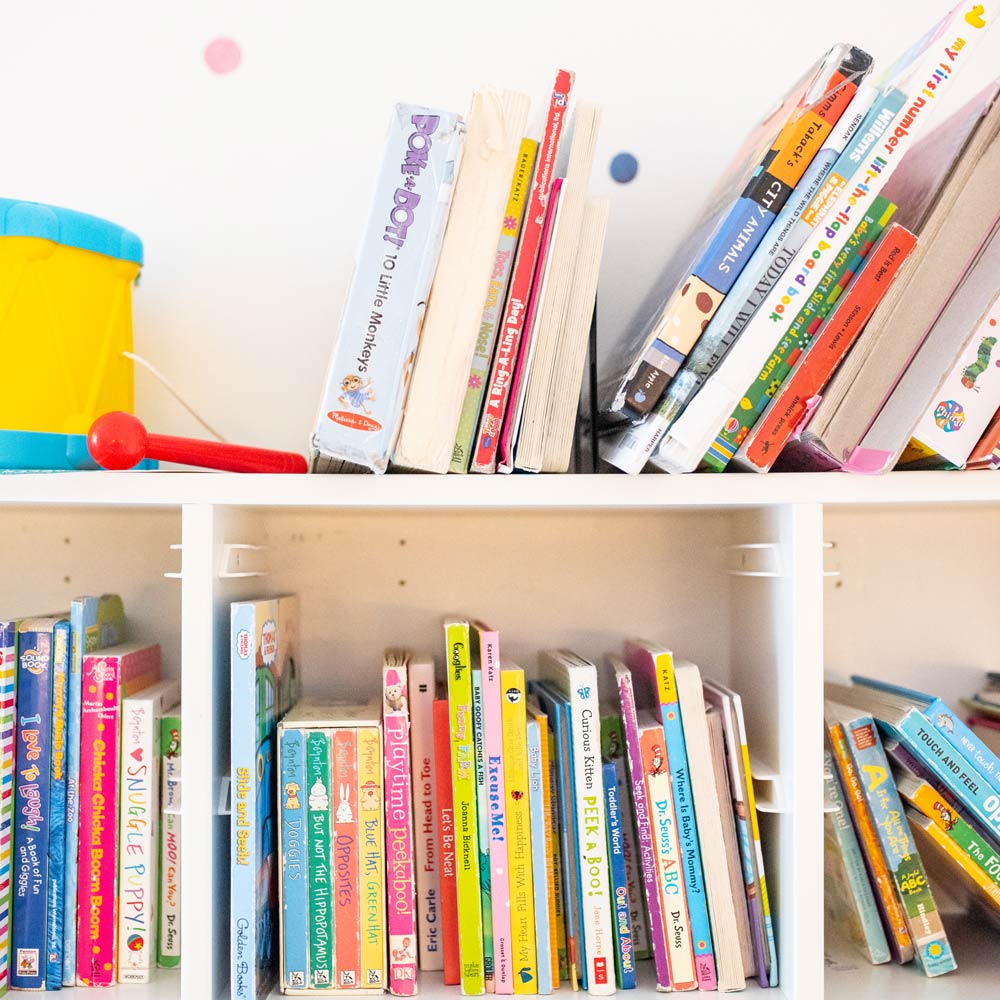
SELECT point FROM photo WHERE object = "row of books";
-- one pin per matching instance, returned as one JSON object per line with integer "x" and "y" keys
{"x": 463, "y": 340}
{"x": 912, "y": 795}
{"x": 89, "y": 819}
{"x": 513, "y": 836}
{"x": 836, "y": 306}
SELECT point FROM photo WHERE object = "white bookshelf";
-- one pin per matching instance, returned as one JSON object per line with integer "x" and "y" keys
{"x": 759, "y": 579}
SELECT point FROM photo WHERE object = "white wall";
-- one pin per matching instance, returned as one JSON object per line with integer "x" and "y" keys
{"x": 250, "y": 189}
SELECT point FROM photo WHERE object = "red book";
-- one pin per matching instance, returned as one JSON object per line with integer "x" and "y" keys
{"x": 484, "y": 458}
{"x": 446, "y": 842}
{"x": 346, "y": 913}
{"x": 797, "y": 397}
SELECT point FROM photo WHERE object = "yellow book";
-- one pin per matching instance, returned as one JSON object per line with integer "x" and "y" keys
{"x": 515, "y": 775}
{"x": 463, "y": 777}
{"x": 372, "y": 878}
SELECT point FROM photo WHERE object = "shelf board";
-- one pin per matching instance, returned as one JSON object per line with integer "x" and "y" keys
{"x": 170, "y": 489}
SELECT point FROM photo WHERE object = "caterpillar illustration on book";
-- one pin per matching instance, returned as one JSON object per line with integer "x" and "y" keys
{"x": 982, "y": 362}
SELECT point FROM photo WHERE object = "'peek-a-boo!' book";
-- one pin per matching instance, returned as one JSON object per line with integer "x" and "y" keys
{"x": 366, "y": 384}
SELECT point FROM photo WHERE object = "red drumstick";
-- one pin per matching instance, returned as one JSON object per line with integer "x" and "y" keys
{"x": 120, "y": 441}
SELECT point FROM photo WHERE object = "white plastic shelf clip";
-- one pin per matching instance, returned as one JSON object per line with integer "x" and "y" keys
{"x": 239, "y": 561}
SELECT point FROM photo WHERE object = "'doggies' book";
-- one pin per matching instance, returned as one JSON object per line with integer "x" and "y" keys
{"x": 108, "y": 677}
{"x": 362, "y": 404}
{"x": 264, "y": 647}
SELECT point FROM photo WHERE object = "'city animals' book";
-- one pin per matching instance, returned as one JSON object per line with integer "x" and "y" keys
{"x": 95, "y": 622}
{"x": 264, "y": 638}
{"x": 402, "y": 922}
{"x": 369, "y": 373}
{"x": 138, "y": 829}
{"x": 169, "y": 940}
{"x": 109, "y": 676}
{"x": 41, "y": 641}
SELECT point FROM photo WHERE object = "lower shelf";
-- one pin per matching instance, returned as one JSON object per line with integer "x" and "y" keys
{"x": 850, "y": 977}
{"x": 164, "y": 984}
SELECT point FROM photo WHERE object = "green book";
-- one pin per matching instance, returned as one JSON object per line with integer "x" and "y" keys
{"x": 168, "y": 951}
{"x": 318, "y": 847}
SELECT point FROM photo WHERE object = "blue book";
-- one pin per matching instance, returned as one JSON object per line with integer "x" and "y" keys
{"x": 95, "y": 622}
{"x": 294, "y": 876}
{"x": 61, "y": 657}
{"x": 33, "y": 764}
{"x": 483, "y": 830}
{"x": 263, "y": 635}
{"x": 552, "y": 704}
{"x": 621, "y": 913}
{"x": 539, "y": 862}
{"x": 949, "y": 724}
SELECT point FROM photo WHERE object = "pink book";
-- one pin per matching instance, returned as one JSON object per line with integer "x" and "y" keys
{"x": 519, "y": 384}
{"x": 421, "y": 692}
{"x": 486, "y": 651}
{"x": 108, "y": 677}
{"x": 399, "y": 826}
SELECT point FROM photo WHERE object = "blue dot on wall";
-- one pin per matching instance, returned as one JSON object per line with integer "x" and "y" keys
{"x": 624, "y": 167}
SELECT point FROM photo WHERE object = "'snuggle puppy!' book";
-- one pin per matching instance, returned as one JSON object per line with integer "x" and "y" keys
{"x": 366, "y": 385}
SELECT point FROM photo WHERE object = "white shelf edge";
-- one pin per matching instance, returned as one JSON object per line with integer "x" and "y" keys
{"x": 169, "y": 489}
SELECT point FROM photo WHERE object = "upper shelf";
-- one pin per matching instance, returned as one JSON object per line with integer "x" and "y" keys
{"x": 172, "y": 489}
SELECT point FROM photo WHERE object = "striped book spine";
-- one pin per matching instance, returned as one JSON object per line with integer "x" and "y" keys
{"x": 321, "y": 944}
{"x": 346, "y": 882}
{"x": 294, "y": 861}
{"x": 373, "y": 938}
{"x": 8, "y": 686}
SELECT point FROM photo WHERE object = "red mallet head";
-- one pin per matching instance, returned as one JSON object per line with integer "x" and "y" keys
{"x": 117, "y": 441}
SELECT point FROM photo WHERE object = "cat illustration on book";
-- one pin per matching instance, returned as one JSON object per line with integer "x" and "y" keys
{"x": 356, "y": 393}
{"x": 658, "y": 761}
{"x": 948, "y": 818}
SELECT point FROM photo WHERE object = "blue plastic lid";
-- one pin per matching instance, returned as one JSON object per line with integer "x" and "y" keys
{"x": 69, "y": 228}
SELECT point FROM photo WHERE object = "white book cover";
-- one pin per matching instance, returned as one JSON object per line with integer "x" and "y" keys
{"x": 704, "y": 790}
{"x": 138, "y": 842}
{"x": 421, "y": 691}
{"x": 576, "y": 679}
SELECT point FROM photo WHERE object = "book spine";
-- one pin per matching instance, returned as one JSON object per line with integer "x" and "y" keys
{"x": 596, "y": 914}
{"x": 321, "y": 943}
{"x": 519, "y": 858}
{"x": 965, "y": 741}
{"x": 931, "y": 945}
{"x": 793, "y": 401}
{"x": 553, "y": 884}
{"x": 137, "y": 835}
{"x": 687, "y": 825}
{"x": 483, "y": 829}
{"x": 372, "y": 852}
{"x": 8, "y": 687}
{"x": 669, "y": 870}
{"x": 243, "y": 947}
{"x": 790, "y": 348}
{"x": 79, "y": 621}
{"x": 496, "y": 297}
{"x": 522, "y": 279}
{"x": 294, "y": 859}
{"x": 625, "y": 957}
{"x": 893, "y": 920}
{"x": 862, "y": 898}
{"x": 169, "y": 946}
{"x": 421, "y": 690}
{"x": 446, "y": 848}
{"x": 966, "y": 839}
{"x": 571, "y": 851}
{"x": 961, "y": 857}
{"x": 399, "y": 834}
{"x": 489, "y": 658}
{"x": 952, "y": 770}
{"x": 100, "y": 715}
{"x": 643, "y": 829}
{"x": 630, "y": 847}
{"x": 346, "y": 875}
{"x": 557, "y": 889}
{"x": 539, "y": 858}
{"x": 463, "y": 783}
{"x": 32, "y": 827}
{"x": 61, "y": 657}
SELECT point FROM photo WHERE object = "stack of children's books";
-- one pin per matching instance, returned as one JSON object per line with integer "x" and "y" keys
{"x": 912, "y": 796}
{"x": 90, "y": 742}
{"x": 836, "y": 306}
{"x": 463, "y": 341}
{"x": 504, "y": 835}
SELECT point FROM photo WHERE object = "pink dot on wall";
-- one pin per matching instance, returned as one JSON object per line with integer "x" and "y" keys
{"x": 222, "y": 55}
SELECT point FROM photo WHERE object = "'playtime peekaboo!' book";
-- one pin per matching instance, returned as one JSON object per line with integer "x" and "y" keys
{"x": 264, "y": 644}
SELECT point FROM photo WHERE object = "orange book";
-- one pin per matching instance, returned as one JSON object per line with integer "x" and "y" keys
{"x": 446, "y": 843}
{"x": 897, "y": 932}
{"x": 346, "y": 913}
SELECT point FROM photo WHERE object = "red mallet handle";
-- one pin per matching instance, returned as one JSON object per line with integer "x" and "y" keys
{"x": 120, "y": 441}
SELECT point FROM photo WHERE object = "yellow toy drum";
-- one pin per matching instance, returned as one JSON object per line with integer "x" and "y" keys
{"x": 65, "y": 320}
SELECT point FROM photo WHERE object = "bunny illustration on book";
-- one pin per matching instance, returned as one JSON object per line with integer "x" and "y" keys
{"x": 318, "y": 799}
{"x": 344, "y": 811}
